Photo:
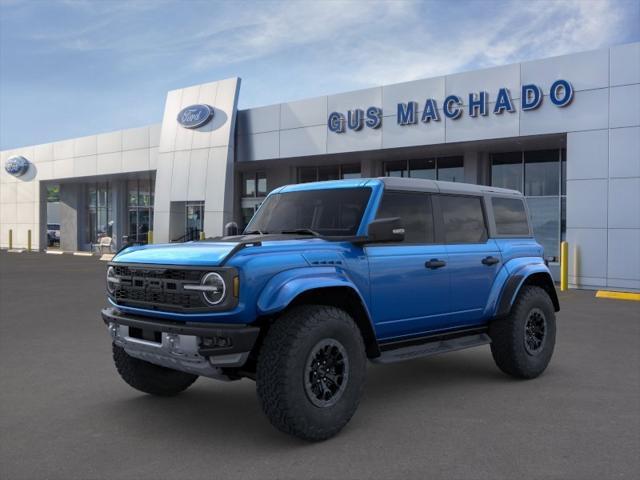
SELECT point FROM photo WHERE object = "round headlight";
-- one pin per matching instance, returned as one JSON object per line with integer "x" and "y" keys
{"x": 112, "y": 280}
{"x": 214, "y": 288}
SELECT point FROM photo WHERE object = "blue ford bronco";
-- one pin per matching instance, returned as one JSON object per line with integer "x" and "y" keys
{"x": 327, "y": 276}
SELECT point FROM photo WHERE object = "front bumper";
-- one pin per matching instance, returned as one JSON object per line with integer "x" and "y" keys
{"x": 200, "y": 349}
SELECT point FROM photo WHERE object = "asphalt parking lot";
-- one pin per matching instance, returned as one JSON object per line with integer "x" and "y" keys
{"x": 65, "y": 413}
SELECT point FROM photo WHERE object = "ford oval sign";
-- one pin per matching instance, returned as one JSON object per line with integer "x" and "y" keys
{"x": 16, "y": 166}
{"x": 195, "y": 116}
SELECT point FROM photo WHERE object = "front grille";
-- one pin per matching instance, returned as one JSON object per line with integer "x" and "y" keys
{"x": 158, "y": 288}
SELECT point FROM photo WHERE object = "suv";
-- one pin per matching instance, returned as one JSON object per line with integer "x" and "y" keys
{"x": 327, "y": 276}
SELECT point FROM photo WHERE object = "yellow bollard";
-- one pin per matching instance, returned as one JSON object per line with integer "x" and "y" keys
{"x": 150, "y": 236}
{"x": 202, "y": 235}
{"x": 10, "y": 239}
{"x": 28, "y": 240}
{"x": 564, "y": 266}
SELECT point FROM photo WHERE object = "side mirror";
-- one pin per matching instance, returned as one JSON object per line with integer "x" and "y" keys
{"x": 231, "y": 229}
{"x": 385, "y": 230}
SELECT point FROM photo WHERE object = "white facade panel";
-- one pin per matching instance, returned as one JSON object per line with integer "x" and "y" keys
{"x": 624, "y": 152}
{"x": 180, "y": 177}
{"x": 169, "y": 125}
{"x": 417, "y": 91}
{"x": 624, "y": 106}
{"x": 63, "y": 168}
{"x": 184, "y": 136}
{"x": 468, "y": 128}
{"x": 135, "y": 138}
{"x": 259, "y": 146}
{"x": 625, "y": 64}
{"x": 85, "y": 146}
{"x": 342, "y": 102}
{"x": 85, "y": 166}
{"x": 135, "y": 160}
{"x": 587, "y": 111}
{"x": 585, "y": 71}
{"x": 197, "y": 174}
{"x": 8, "y": 193}
{"x": 624, "y": 254}
{"x": 164, "y": 175}
{"x": 154, "y": 135}
{"x": 587, "y": 203}
{"x": 107, "y": 163}
{"x": 351, "y": 140}
{"x": 588, "y": 251}
{"x": 153, "y": 158}
{"x": 44, "y": 170}
{"x": 395, "y": 135}
{"x": 25, "y": 192}
{"x": 43, "y": 153}
{"x": 63, "y": 149}
{"x": 258, "y": 120}
{"x": 25, "y": 213}
{"x": 489, "y": 80}
{"x": 624, "y": 203}
{"x": 110, "y": 142}
{"x": 587, "y": 154}
{"x": 303, "y": 141}
{"x": 303, "y": 113}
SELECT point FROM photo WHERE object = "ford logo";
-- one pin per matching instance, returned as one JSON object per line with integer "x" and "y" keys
{"x": 195, "y": 116}
{"x": 16, "y": 166}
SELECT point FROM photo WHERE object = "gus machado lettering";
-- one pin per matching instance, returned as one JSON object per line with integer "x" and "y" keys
{"x": 531, "y": 96}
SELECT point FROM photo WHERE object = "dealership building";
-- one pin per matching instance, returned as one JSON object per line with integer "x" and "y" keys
{"x": 565, "y": 131}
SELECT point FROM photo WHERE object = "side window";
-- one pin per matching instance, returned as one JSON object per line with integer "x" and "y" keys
{"x": 414, "y": 209}
{"x": 463, "y": 219}
{"x": 510, "y": 215}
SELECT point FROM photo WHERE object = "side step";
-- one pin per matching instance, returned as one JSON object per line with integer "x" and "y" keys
{"x": 433, "y": 347}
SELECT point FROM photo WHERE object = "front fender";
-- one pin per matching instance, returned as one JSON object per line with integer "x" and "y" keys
{"x": 287, "y": 285}
{"x": 509, "y": 281}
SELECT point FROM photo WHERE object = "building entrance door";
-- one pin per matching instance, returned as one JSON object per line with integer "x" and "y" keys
{"x": 194, "y": 221}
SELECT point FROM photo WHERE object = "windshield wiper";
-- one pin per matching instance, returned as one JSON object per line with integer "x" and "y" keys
{"x": 255, "y": 232}
{"x": 302, "y": 231}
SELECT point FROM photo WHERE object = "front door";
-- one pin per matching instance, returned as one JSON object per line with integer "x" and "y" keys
{"x": 409, "y": 280}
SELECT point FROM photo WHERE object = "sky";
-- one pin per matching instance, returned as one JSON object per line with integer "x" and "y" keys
{"x": 80, "y": 67}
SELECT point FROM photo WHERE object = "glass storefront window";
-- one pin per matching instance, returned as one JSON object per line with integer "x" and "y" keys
{"x": 140, "y": 209}
{"x": 254, "y": 184}
{"x": 507, "y": 171}
{"x": 541, "y": 176}
{"x": 545, "y": 219}
{"x": 350, "y": 171}
{"x": 194, "y": 220}
{"x": 328, "y": 172}
{"x": 423, "y": 168}
{"x": 541, "y": 173}
{"x": 451, "y": 169}
{"x": 99, "y": 212}
{"x": 396, "y": 169}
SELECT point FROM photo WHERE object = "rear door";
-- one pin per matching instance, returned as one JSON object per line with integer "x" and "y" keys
{"x": 474, "y": 258}
{"x": 409, "y": 281}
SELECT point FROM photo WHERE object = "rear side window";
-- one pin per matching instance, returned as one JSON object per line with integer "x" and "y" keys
{"x": 414, "y": 209}
{"x": 510, "y": 215}
{"x": 463, "y": 219}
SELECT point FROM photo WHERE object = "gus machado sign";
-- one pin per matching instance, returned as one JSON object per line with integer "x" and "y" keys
{"x": 560, "y": 95}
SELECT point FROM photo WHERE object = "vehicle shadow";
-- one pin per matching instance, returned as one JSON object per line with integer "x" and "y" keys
{"x": 212, "y": 412}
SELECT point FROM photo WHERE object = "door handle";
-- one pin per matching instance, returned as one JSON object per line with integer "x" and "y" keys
{"x": 435, "y": 263}
{"x": 490, "y": 261}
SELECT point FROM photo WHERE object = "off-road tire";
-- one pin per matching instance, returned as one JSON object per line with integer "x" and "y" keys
{"x": 285, "y": 355}
{"x": 508, "y": 339}
{"x": 150, "y": 378}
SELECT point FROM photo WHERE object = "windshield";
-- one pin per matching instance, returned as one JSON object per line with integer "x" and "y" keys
{"x": 330, "y": 212}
